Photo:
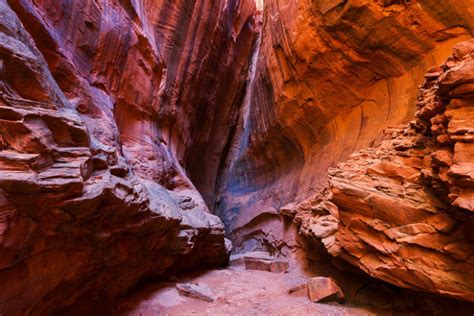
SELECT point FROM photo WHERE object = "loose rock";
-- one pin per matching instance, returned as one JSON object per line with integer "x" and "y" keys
{"x": 322, "y": 289}
{"x": 196, "y": 291}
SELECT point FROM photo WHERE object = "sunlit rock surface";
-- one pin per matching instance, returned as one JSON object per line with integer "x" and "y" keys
{"x": 125, "y": 124}
{"x": 403, "y": 211}
{"x": 331, "y": 76}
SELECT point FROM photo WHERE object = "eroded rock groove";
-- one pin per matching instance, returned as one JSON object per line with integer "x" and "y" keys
{"x": 136, "y": 135}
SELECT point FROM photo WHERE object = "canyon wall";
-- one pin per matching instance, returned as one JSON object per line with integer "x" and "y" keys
{"x": 403, "y": 211}
{"x": 125, "y": 124}
{"x": 107, "y": 109}
{"x": 331, "y": 76}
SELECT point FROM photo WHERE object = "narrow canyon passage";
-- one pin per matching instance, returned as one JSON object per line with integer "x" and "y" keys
{"x": 236, "y": 157}
{"x": 234, "y": 292}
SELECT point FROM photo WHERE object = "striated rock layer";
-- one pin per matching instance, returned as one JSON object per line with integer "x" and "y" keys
{"x": 404, "y": 211}
{"x": 105, "y": 108}
{"x": 331, "y": 76}
{"x": 122, "y": 122}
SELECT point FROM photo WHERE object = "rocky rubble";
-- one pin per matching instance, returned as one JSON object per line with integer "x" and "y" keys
{"x": 403, "y": 210}
{"x": 235, "y": 292}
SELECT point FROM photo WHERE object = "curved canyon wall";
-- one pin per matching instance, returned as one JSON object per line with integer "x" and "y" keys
{"x": 106, "y": 107}
{"x": 332, "y": 75}
{"x": 403, "y": 211}
{"x": 123, "y": 122}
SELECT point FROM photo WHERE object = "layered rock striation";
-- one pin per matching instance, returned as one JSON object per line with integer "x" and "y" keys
{"x": 108, "y": 111}
{"x": 123, "y": 123}
{"x": 331, "y": 76}
{"x": 403, "y": 211}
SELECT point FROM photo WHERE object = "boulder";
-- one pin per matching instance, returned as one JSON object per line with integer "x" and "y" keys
{"x": 323, "y": 289}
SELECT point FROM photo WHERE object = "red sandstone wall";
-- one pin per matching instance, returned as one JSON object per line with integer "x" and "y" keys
{"x": 403, "y": 211}
{"x": 122, "y": 121}
{"x": 106, "y": 109}
{"x": 331, "y": 77}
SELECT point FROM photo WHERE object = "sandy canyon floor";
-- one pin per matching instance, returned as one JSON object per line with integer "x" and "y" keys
{"x": 237, "y": 292}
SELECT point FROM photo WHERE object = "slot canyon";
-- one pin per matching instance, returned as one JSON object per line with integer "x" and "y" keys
{"x": 236, "y": 157}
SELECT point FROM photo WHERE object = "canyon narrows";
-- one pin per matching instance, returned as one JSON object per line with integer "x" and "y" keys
{"x": 142, "y": 139}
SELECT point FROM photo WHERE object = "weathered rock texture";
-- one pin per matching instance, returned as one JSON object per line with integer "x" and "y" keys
{"x": 123, "y": 121}
{"x": 105, "y": 108}
{"x": 331, "y": 76}
{"x": 404, "y": 211}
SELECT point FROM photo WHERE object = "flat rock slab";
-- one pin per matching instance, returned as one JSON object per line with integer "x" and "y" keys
{"x": 322, "y": 289}
{"x": 239, "y": 259}
{"x": 259, "y": 260}
{"x": 196, "y": 291}
{"x": 266, "y": 264}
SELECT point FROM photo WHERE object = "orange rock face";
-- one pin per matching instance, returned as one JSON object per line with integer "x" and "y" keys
{"x": 403, "y": 211}
{"x": 125, "y": 124}
{"x": 331, "y": 76}
{"x": 106, "y": 107}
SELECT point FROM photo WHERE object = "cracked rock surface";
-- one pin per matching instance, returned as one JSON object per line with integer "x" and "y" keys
{"x": 403, "y": 210}
{"x": 136, "y": 134}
